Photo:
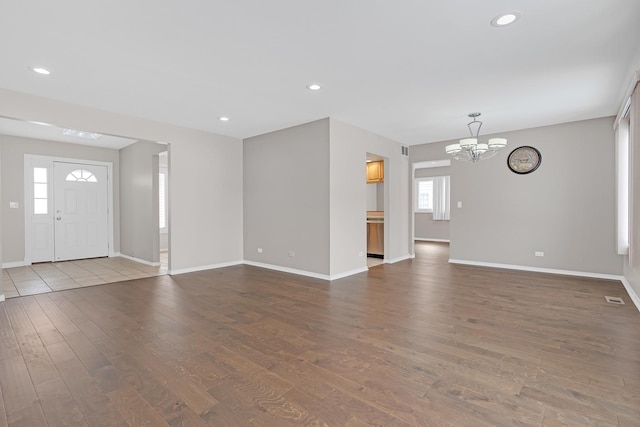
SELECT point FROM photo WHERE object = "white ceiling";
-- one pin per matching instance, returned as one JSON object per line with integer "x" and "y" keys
{"x": 410, "y": 70}
{"x": 53, "y": 133}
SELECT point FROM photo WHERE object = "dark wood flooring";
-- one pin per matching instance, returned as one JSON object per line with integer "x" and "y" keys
{"x": 417, "y": 343}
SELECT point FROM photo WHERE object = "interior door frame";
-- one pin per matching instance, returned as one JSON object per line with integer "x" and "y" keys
{"x": 34, "y": 160}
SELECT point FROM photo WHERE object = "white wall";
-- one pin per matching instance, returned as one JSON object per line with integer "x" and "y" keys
{"x": 1, "y": 234}
{"x": 286, "y": 197}
{"x": 14, "y": 148}
{"x": 565, "y": 208}
{"x": 348, "y": 205}
{"x": 139, "y": 229}
{"x": 632, "y": 261}
{"x": 372, "y": 197}
{"x": 205, "y": 202}
{"x": 205, "y": 210}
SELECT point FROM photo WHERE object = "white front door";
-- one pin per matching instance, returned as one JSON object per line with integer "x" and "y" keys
{"x": 80, "y": 211}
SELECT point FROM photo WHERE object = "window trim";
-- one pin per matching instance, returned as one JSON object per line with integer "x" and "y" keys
{"x": 416, "y": 209}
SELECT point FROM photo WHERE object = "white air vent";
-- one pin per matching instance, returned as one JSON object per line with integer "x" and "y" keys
{"x": 405, "y": 151}
{"x": 614, "y": 300}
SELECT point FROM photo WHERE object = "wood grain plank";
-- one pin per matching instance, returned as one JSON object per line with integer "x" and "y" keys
{"x": 18, "y": 390}
{"x": 135, "y": 409}
{"x": 415, "y": 343}
{"x": 31, "y": 416}
{"x": 8, "y": 344}
{"x": 59, "y": 319}
{"x": 89, "y": 397}
{"x": 172, "y": 409}
{"x": 191, "y": 393}
{"x": 86, "y": 351}
{"x": 3, "y": 412}
{"x": 40, "y": 321}
{"x": 58, "y": 405}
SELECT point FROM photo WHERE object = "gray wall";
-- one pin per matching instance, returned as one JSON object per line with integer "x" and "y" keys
{"x": 13, "y": 150}
{"x": 349, "y": 148}
{"x": 565, "y": 208}
{"x": 139, "y": 233}
{"x": 205, "y": 209}
{"x": 286, "y": 197}
{"x": 305, "y": 190}
{"x": 424, "y": 225}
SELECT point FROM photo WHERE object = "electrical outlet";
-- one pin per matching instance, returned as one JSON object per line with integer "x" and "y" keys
{"x": 459, "y": 204}
{"x": 259, "y": 250}
{"x": 538, "y": 253}
{"x": 292, "y": 254}
{"x": 361, "y": 254}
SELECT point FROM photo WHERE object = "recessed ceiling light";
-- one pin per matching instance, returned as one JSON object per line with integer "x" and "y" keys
{"x": 81, "y": 134}
{"x": 40, "y": 70}
{"x": 505, "y": 19}
{"x": 314, "y": 87}
{"x": 223, "y": 119}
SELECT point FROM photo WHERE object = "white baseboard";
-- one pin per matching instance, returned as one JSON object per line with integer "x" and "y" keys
{"x": 141, "y": 261}
{"x": 307, "y": 273}
{"x": 419, "y": 239}
{"x": 537, "y": 269}
{"x": 203, "y": 267}
{"x": 13, "y": 264}
{"x": 288, "y": 270}
{"x": 348, "y": 273}
{"x": 402, "y": 258}
{"x": 270, "y": 267}
{"x": 632, "y": 293}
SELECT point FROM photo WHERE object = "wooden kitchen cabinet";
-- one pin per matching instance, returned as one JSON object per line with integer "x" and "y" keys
{"x": 375, "y": 171}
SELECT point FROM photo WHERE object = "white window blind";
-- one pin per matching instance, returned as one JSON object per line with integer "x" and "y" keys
{"x": 441, "y": 211}
{"x": 622, "y": 184}
{"x": 162, "y": 189}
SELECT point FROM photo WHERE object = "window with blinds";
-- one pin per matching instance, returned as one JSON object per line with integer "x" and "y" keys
{"x": 162, "y": 189}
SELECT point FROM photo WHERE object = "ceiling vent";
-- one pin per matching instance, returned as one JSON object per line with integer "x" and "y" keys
{"x": 405, "y": 151}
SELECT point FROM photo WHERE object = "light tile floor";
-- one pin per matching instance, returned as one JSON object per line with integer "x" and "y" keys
{"x": 373, "y": 262}
{"x": 57, "y": 276}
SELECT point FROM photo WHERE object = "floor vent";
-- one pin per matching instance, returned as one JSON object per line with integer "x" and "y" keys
{"x": 614, "y": 300}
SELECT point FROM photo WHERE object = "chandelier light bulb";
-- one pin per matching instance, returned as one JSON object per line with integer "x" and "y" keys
{"x": 471, "y": 149}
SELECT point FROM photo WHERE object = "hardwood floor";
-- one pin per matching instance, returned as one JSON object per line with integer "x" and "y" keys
{"x": 417, "y": 343}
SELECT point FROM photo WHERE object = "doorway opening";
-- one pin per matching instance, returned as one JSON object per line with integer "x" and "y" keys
{"x": 375, "y": 216}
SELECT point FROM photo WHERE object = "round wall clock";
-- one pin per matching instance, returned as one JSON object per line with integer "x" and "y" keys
{"x": 524, "y": 160}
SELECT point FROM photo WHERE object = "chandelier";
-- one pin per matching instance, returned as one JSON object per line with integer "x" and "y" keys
{"x": 471, "y": 149}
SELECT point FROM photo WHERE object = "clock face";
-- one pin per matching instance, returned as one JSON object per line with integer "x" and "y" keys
{"x": 524, "y": 160}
